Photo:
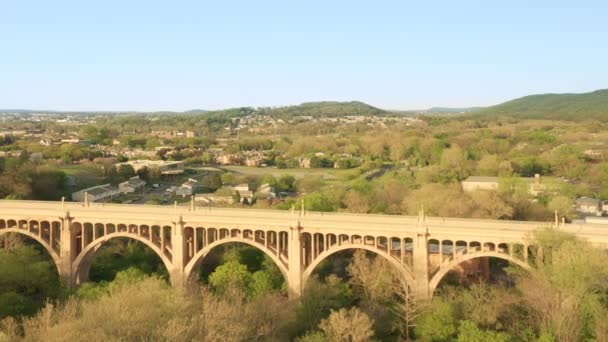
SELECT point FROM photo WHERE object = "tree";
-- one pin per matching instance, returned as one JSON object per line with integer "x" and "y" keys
{"x": 489, "y": 205}
{"x": 286, "y": 183}
{"x": 437, "y": 324}
{"x": 211, "y": 182}
{"x": 563, "y": 205}
{"x": 261, "y": 282}
{"x": 321, "y": 201}
{"x": 230, "y": 275}
{"x": 356, "y": 202}
{"x": 228, "y": 178}
{"x": 124, "y": 172}
{"x": 27, "y": 279}
{"x": 384, "y": 293}
{"x": 347, "y": 325}
{"x": 319, "y": 298}
{"x": 469, "y": 332}
{"x": 568, "y": 280}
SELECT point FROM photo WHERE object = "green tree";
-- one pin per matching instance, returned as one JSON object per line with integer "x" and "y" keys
{"x": 469, "y": 332}
{"x": 319, "y": 299}
{"x": 231, "y": 275}
{"x": 27, "y": 279}
{"x": 437, "y": 324}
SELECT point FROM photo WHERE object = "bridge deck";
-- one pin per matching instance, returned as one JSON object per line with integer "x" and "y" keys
{"x": 372, "y": 224}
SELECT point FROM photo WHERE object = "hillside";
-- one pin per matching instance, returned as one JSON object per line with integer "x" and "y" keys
{"x": 324, "y": 109}
{"x": 593, "y": 105}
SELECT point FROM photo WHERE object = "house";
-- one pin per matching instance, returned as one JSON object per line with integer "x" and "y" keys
{"x": 474, "y": 183}
{"x": 241, "y": 187}
{"x": 188, "y": 188}
{"x": 246, "y": 196}
{"x": 228, "y": 159}
{"x": 254, "y": 161}
{"x": 224, "y": 195}
{"x": 95, "y": 194}
{"x": 132, "y": 185}
{"x": 588, "y": 205}
{"x": 593, "y": 154}
{"x": 304, "y": 163}
{"x": 265, "y": 191}
{"x": 36, "y": 157}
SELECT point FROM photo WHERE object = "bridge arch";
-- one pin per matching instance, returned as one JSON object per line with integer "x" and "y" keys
{"x": 54, "y": 255}
{"x": 82, "y": 264}
{"x": 448, "y": 265}
{"x": 196, "y": 260}
{"x": 402, "y": 269}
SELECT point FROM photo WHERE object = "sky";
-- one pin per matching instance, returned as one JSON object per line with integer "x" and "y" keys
{"x": 181, "y": 55}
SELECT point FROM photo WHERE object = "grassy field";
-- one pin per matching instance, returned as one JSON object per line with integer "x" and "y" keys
{"x": 326, "y": 174}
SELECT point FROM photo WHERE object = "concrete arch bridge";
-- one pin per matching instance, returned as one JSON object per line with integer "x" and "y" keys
{"x": 423, "y": 249}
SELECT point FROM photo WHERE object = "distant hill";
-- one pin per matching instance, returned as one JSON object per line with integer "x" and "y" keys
{"x": 324, "y": 109}
{"x": 448, "y": 110}
{"x": 593, "y": 105}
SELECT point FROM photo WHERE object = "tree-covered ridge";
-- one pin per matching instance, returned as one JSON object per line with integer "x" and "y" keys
{"x": 324, "y": 109}
{"x": 593, "y": 105}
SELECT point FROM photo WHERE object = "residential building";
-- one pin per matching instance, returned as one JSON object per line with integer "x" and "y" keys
{"x": 304, "y": 162}
{"x": 132, "y": 185}
{"x": 36, "y": 157}
{"x": 588, "y": 205}
{"x": 187, "y": 189}
{"x": 254, "y": 161}
{"x": 228, "y": 159}
{"x": 265, "y": 191}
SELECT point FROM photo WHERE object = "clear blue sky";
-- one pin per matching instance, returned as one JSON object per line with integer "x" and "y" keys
{"x": 179, "y": 55}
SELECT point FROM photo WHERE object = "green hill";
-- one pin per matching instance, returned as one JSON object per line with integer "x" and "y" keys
{"x": 323, "y": 109}
{"x": 593, "y": 105}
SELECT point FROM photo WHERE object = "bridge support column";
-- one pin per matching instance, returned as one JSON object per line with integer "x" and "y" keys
{"x": 421, "y": 289}
{"x": 67, "y": 252}
{"x": 294, "y": 280}
{"x": 178, "y": 244}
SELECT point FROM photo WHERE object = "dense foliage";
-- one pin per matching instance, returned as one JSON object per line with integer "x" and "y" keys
{"x": 593, "y": 105}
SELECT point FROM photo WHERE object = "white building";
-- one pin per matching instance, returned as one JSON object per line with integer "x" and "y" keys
{"x": 132, "y": 185}
{"x": 187, "y": 189}
{"x": 96, "y": 193}
{"x": 165, "y": 167}
{"x": 587, "y": 205}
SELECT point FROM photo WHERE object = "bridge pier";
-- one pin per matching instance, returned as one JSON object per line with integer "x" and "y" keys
{"x": 178, "y": 244}
{"x": 67, "y": 252}
{"x": 295, "y": 264}
{"x": 421, "y": 288}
